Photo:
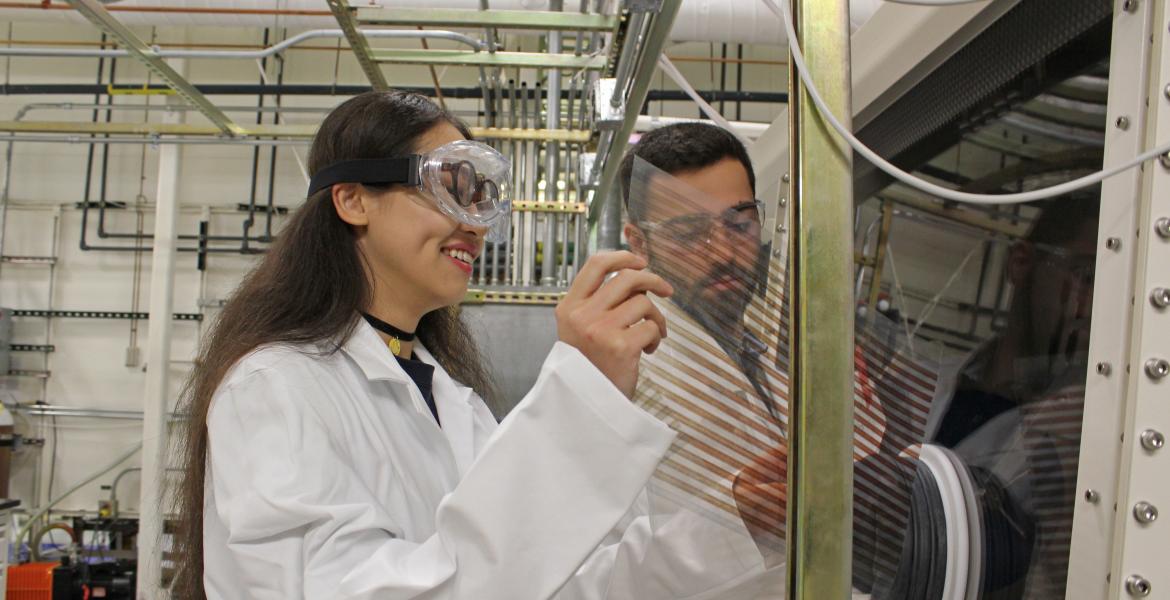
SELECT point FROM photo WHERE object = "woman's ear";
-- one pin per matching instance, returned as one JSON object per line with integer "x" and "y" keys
{"x": 347, "y": 200}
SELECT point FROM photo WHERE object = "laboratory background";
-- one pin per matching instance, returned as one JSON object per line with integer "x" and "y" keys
{"x": 1011, "y": 246}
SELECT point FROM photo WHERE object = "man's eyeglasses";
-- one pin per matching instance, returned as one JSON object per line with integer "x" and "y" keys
{"x": 742, "y": 221}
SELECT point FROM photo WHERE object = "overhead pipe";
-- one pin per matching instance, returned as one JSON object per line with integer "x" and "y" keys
{"x": 231, "y": 89}
{"x": 247, "y": 54}
{"x": 152, "y": 141}
{"x": 27, "y": 108}
{"x": 201, "y": 248}
{"x": 708, "y": 21}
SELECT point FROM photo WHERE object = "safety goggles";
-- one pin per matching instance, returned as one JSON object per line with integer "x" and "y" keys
{"x": 466, "y": 180}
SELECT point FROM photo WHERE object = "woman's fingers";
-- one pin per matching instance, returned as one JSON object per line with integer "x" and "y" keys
{"x": 597, "y": 268}
{"x": 640, "y": 308}
{"x": 645, "y": 336}
{"x": 629, "y": 282}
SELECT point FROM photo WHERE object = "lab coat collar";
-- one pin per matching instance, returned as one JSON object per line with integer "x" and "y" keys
{"x": 372, "y": 356}
{"x": 452, "y": 399}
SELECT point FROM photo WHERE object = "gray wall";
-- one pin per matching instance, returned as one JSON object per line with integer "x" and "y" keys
{"x": 515, "y": 340}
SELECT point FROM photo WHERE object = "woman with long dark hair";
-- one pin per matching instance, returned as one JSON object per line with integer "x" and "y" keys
{"x": 338, "y": 445}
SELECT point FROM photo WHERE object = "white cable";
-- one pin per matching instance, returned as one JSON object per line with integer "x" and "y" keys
{"x": 53, "y": 502}
{"x": 785, "y": 14}
{"x": 260, "y": 68}
{"x": 673, "y": 72}
{"x": 301, "y": 165}
{"x": 935, "y": 2}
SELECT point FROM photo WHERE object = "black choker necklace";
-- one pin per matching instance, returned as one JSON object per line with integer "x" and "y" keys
{"x": 397, "y": 336}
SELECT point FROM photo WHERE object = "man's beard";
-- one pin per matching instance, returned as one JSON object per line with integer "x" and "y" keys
{"x": 719, "y": 309}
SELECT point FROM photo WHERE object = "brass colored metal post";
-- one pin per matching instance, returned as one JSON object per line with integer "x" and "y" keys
{"x": 820, "y": 494}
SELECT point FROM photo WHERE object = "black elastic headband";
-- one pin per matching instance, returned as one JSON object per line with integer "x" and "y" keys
{"x": 367, "y": 170}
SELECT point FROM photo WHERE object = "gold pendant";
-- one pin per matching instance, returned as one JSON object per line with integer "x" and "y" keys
{"x": 395, "y": 345}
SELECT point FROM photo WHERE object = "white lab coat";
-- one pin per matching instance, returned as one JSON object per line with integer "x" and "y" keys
{"x": 329, "y": 478}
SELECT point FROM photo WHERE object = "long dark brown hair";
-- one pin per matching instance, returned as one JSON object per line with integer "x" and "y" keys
{"x": 309, "y": 289}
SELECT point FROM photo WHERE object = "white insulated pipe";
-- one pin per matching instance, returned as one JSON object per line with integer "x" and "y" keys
{"x": 246, "y": 54}
{"x": 157, "y": 405}
{"x": 710, "y": 21}
{"x": 746, "y": 129}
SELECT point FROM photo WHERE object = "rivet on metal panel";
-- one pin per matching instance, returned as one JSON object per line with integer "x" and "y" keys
{"x": 1092, "y": 496}
{"x": 1166, "y": 91}
{"x": 1113, "y": 244}
{"x": 1160, "y": 297}
{"x": 1104, "y": 368}
{"x": 1157, "y": 368}
{"x": 1145, "y": 512}
{"x": 1123, "y": 123}
{"x": 786, "y": 178}
{"x": 1162, "y": 226}
{"x": 1138, "y": 586}
{"x": 1153, "y": 440}
{"x": 1130, "y": 6}
{"x": 784, "y": 202}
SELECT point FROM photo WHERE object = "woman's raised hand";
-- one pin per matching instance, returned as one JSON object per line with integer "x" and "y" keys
{"x": 610, "y": 319}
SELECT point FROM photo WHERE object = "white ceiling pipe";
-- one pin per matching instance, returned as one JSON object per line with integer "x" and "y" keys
{"x": 714, "y": 21}
{"x": 747, "y": 129}
{"x": 245, "y": 54}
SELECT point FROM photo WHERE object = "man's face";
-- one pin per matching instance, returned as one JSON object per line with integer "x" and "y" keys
{"x": 701, "y": 231}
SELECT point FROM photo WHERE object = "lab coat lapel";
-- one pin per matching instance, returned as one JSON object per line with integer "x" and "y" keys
{"x": 378, "y": 364}
{"x": 455, "y": 412}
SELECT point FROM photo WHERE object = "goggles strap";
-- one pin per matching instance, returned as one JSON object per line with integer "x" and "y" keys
{"x": 368, "y": 170}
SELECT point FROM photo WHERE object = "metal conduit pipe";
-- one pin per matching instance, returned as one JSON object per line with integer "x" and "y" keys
{"x": 27, "y": 108}
{"x": 271, "y": 206}
{"x": 626, "y": 61}
{"x": 18, "y": 89}
{"x": 552, "y": 153}
{"x": 255, "y": 174}
{"x": 153, "y": 141}
{"x": 118, "y": 479}
{"x": 246, "y": 54}
{"x": 202, "y": 239}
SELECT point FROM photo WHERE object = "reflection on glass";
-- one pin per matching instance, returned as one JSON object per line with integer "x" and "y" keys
{"x": 963, "y": 476}
{"x": 721, "y": 380}
{"x": 1014, "y": 415}
{"x": 718, "y": 379}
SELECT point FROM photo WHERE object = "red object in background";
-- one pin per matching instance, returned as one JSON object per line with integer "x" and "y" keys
{"x": 31, "y": 581}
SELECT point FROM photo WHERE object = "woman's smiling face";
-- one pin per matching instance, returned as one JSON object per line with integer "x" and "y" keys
{"x": 417, "y": 255}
